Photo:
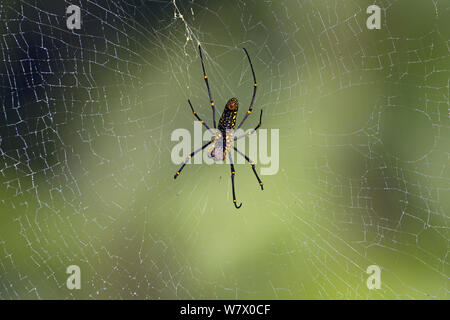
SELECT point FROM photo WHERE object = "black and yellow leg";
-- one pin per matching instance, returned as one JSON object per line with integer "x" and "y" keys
{"x": 211, "y": 101}
{"x": 253, "y": 166}
{"x": 255, "y": 86}
{"x": 252, "y": 131}
{"x": 189, "y": 157}
{"x": 198, "y": 118}
{"x": 233, "y": 172}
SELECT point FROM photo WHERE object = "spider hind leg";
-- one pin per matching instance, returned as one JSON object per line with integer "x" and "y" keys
{"x": 261, "y": 184}
{"x": 233, "y": 172}
{"x": 189, "y": 157}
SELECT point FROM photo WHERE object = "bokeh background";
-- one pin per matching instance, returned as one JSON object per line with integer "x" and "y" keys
{"x": 86, "y": 176}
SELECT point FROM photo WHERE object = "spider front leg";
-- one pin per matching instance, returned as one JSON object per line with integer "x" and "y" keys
{"x": 189, "y": 157}
{"x": 211, "y": 101}
{"x": 253, "y": 131}
{"x": 199, "y": 119}
{"x": 255, "y": 86}
{"x": 252, "y": 164}
{"x": 233, "y": 172}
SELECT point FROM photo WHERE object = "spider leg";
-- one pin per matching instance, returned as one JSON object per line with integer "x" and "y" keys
{"x": 189, "y": 157}
{"x": 232, "y": 180}
{"x": 198, "y": 118}
{"x": 255, "y": 85}
{"x": 252, "y": 164}
{"x": 252, "y": 131}
{"x": 207, "y": 86}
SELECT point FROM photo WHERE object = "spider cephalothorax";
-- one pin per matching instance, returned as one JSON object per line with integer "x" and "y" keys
{"x": 223, "y": 138}
{"x": 228, "y": 119}
{"x": 233, "y": 104}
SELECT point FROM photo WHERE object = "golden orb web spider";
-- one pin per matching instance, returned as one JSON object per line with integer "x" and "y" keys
{"x": 223, "y": 134}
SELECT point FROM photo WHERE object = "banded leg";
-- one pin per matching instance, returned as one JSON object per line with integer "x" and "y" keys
{"x": 189, "y": 157}
{"x": 252, "y": 164}
{"x": 255, "y": 85}
{"x": 233, "y": 172}
{"x": 211, "y": 102}
{"x": 252, "y": 131}
{"x": 198, "y": 118}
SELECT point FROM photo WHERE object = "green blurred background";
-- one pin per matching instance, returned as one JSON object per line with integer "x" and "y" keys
{"x": 87, "y": 178}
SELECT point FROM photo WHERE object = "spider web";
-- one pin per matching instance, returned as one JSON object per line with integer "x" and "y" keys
{"x": 86, "y": 174}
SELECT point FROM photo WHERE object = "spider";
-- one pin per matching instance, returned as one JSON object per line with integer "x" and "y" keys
{"x": 223, "y": 134}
